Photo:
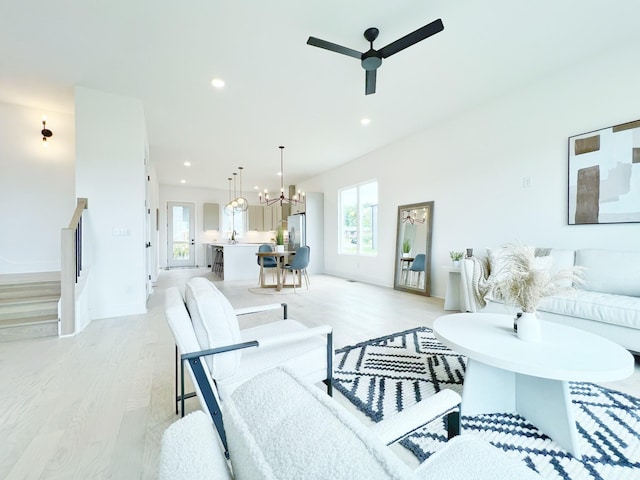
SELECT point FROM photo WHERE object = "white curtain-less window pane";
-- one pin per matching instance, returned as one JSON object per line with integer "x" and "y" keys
{"x": 235, "y": 222}
{"x": 368, "y": 217}
{"x": 181, "y": 234}
{"x": 349, "y": 221}
{"x": 359, "y": 219}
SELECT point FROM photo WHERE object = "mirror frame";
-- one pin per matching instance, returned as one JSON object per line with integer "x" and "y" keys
{"x": 397, "y": 285}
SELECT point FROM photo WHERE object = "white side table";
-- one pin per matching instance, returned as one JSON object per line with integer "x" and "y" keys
{"x": 453, "y": 299}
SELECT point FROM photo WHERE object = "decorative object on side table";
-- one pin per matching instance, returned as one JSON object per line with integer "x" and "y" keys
{"x": 456, "y": 257}
{"x": 406, "y": 248}
{"x": 522, "y": 279}
{"x": 280, "y": 240}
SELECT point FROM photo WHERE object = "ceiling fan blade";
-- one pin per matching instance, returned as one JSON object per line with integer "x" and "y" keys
{"x": 370, "y": 81}
{"x": 413, "y": 37}
{"x": 334, "y": 47}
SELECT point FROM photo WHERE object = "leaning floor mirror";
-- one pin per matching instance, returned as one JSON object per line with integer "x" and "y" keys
{"x": 413, "y": 248}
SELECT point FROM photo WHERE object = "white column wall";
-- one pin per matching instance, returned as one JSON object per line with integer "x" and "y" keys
{"x": 110, "y": 172}
{"x": 37, "y": 190}
{"x": 473, "y": 166}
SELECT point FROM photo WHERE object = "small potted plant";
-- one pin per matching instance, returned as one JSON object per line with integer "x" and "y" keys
{"x": 280, "y": 240}
{"x": 456, "y": 257}
{"x": 406, "y": 248}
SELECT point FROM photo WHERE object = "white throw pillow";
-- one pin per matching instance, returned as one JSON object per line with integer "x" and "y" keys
{"x": 562, "y": 259}
{"x": 610, "y": 271}
{"x": 215, "y": 325}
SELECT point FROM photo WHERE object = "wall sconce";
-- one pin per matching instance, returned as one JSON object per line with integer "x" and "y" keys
{"x": 46, "y": 133}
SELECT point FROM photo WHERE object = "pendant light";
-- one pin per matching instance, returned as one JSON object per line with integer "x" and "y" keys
{"x": 241, "y": 203}
{"x": 228, "y": 208}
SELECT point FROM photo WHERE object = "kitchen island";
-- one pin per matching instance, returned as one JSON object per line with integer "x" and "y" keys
{"x": 239, "y": 260}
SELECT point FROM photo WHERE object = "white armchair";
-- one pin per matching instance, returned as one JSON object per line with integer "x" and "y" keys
{"x": 281, "y": 428}
{"x": 209, "y": 331}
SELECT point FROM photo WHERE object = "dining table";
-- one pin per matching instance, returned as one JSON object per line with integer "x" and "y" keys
{"x": 280, "y": 263}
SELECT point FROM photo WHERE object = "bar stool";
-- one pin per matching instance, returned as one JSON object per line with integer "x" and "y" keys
{"x": 218, "y": 263}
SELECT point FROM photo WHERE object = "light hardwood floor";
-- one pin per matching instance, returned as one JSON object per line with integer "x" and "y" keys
{"x": 95, "y": 405}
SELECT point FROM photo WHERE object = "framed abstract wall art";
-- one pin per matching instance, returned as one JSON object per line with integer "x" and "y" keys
{"x": 604, "y": 175}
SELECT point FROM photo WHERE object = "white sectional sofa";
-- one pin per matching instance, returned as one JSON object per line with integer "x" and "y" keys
{"x": 607, "y": 304}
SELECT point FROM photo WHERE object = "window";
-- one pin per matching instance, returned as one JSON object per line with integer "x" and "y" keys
{"x": 359, "y": 219}
{"x": 234, "y": 222}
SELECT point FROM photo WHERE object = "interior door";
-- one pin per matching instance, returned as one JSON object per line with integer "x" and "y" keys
{"x": 181, "y": 248}
{"x": 147, "y": 231}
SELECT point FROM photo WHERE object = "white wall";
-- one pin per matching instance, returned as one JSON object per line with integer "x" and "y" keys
{"x": 37, "y": 191}
{"x": 110, "y": 172}
{"x": 472, "y": 166}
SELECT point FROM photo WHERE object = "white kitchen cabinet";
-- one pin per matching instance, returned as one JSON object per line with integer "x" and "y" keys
{"x": 256, "y": 218}
{"x": 211, "y": 216}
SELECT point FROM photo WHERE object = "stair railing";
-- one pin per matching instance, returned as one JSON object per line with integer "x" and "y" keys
{"x": 70, "y": 268}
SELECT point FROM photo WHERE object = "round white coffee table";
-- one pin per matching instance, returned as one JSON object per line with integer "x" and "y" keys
{"x": 506, "y": 374}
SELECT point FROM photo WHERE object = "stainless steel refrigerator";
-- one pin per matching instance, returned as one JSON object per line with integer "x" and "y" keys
{"x": 297, "y": 227}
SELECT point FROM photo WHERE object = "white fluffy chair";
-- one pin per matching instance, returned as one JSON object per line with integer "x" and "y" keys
{"x": 282, "y": 428}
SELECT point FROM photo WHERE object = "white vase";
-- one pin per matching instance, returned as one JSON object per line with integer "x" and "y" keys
{"x": 529, "y": 327}
{"x": 456, "y": 263}
{"x": 279, "y": 248}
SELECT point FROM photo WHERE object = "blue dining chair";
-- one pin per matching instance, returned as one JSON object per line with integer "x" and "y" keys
{"x": 418, "y": 265}
{"x": 299, "y": 264}
{"x": 266, "y": 262}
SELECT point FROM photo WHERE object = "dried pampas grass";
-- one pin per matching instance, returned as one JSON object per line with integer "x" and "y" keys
{"x": 523, "y": 280}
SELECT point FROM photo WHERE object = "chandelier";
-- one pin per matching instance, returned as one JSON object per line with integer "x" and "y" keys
{"x": 295, "y": 200}
{"x": 412, "y": 216}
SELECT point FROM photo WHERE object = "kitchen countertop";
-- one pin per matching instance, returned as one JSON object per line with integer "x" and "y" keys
{"x": 235, "y": 245}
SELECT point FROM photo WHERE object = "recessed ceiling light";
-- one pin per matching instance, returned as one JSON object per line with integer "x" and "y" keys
{"x": 187, "y": 164}
{"x": 365, "y": 121}
{"x": 217, "y": 83}
{"x": 183, "y": 181}
{"x": 279, "y": 174}
{"x": 256, "y": 187}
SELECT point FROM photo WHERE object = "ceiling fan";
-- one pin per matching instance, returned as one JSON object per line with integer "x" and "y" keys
{"x": 372, "y": 59}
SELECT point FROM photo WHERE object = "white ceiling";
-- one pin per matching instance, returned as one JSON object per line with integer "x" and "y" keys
{"x": 279, "y": 90}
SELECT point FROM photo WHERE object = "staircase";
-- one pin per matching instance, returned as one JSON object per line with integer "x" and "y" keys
{"x": 28, "y": 308}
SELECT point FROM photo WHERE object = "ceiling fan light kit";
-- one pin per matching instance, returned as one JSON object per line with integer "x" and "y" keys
{"x": 372, "y": 58}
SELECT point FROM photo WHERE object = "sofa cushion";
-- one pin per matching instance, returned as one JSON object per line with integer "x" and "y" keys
{"x": 190, "y": 450}
{"x": 468, "y": 458}
{"x": 179, "y": 321}
{"x": 307, "y": 358}
{"x": 278, "y": 427}
{"x": 601, "y": 307}
{"x": 610, "y": 271}
{"x": 215, "y": 325}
